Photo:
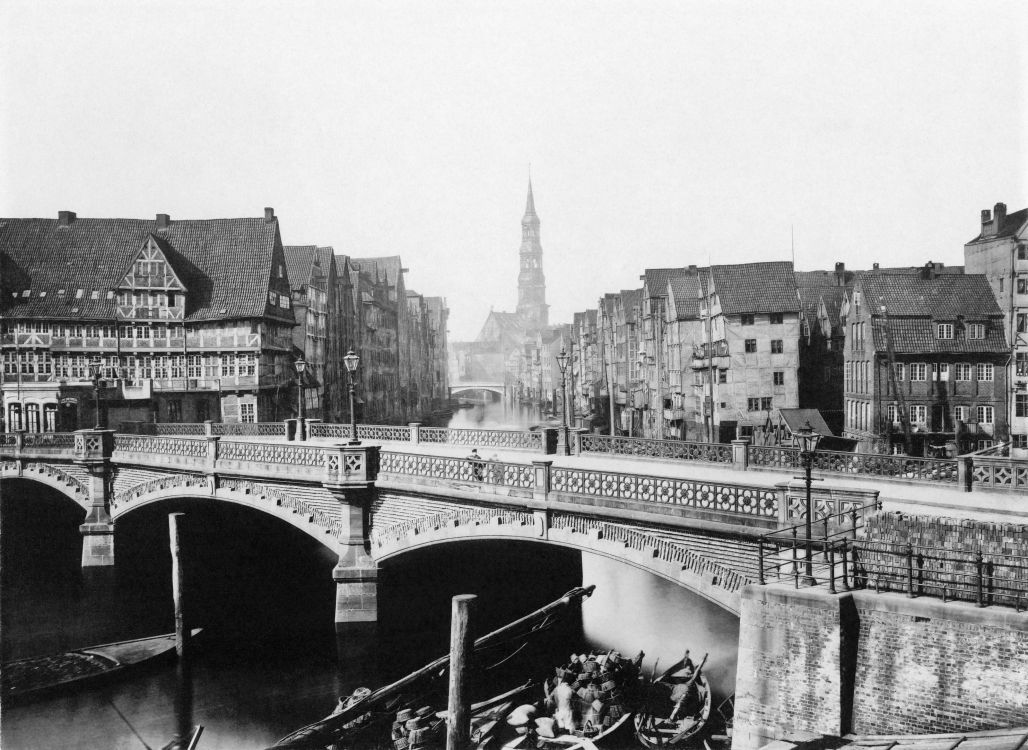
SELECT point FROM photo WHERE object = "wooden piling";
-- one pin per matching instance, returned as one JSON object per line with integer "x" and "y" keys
{"x": 181, "y": 631}
{"x": 458, "y": 722}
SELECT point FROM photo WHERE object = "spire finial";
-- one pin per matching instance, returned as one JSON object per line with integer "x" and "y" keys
{"x": 530, "y": 203}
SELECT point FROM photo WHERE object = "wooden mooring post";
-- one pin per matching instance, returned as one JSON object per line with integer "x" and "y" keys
{"x": 458, "y": 722}
{"x": 181, "y": 630}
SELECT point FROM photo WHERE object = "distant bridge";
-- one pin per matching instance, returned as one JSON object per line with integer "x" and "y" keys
{"x": 490, "y": 387}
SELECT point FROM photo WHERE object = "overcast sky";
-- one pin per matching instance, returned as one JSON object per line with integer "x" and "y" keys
{"x": 659, "y": 133}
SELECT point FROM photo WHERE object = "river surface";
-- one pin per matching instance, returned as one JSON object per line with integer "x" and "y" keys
{"x": 270, "y": 659}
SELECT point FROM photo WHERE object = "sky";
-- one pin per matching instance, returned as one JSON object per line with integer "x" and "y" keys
{"x": 656, "y": 133}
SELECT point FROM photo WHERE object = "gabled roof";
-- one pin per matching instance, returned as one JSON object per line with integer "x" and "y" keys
{"x": 756, "y": 287}
{"x": 1011, "y": 224}
{"x": 685, "y": 291}
{"x": 227, "y": 265}
{"x": 300, "y": 264}
{"x": 655, "y": 280}
{"x": 940, "y": 298}
{"x": 390, "y": 266}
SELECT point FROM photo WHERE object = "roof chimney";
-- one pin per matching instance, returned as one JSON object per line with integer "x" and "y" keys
{"x": 986, "y": 220}
{"x": 64, "y": 218}
{"x": 163, "y": 220}
{"x": 874, "y": 266}
{"x": 999, "y": 215}
{"x": 692, "y": 269}
{"x": 928, "y": 272}
{"x": 269, "y": 214}
{"x": 840, "y": 273}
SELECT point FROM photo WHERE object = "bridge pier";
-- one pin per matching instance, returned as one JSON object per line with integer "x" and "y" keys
{"x": 93, "y": 451}
{"x": 352, "y": 470}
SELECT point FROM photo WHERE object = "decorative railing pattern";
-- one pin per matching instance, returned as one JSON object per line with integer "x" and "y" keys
{"x": 774, "y": 457}
{"x": 466, "y": 516}
{"x": 162, "y": 428}
{"x": 663, "y": 548}
{"x": 58, "y": 441}
{"x": 249, "y": 429}
{"x": 506, "y": 439}
{"x": 164, "y": 445}
{"x": 457, "y": 469}
{"x": 390, "y": 433}
{"x": 8, "y": 438}
{"x": 861, "y": 464}
{"x": 329, "y": 430}
{"x": 1000, "y": 473}
{"x": 755, "y": 502}
{"x": 718, "y": 453}
{"x": 272, "y": 453}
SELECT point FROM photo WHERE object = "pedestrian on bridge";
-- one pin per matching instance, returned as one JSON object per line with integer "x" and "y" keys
{"x": 477, "y": 465}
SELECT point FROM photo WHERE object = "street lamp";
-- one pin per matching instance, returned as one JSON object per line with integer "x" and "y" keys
{"x": 351, "y": 361}
{"x": 95, "y": 370}
{"x": 562, "y": 363}
{"x": 807, "y": 441}
{"x": 301, "y": 368}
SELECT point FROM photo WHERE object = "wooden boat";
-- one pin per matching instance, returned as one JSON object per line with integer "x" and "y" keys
{"x": 589, "y": 703}
{"x": 676, "y": 707}
{"x": 30, "y": 678}
{"x": 360, "y": 717}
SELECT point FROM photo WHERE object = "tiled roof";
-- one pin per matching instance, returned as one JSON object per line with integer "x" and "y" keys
{"x": 300, "y": 264}
{"x": 326, "y": 259}
{"x": 756, "y": 287}
{"x": 227, "y": 265}
{"x": 686, "y": 291}
{"x": 390, "y": 266}
{"x": 917, "y": 336}
{"x": 940, "y": 298}
{"x": 655, "y": 280}
{"x": 1011, "y": 223}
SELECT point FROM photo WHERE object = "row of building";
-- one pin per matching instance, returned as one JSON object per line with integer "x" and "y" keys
{"x": 918, "y": 360}
{"x": 145, "y": 320}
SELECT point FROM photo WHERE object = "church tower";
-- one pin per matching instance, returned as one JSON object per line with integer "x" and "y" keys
{"x": 532, "y": 305}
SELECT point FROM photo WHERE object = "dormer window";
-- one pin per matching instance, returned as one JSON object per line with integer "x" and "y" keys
{"x": 944, "y": 330}
{"x": 975, "y": 331}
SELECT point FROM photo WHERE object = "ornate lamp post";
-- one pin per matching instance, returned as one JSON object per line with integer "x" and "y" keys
{"x": 351, "y": 361}
{"x": 95, "y": 370}
{"x": 562, "y": 363}
{"x": 807, "y": 441}
{"x": 301, "y": 368}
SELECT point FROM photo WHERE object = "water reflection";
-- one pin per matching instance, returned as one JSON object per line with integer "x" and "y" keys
{"x": 494, "y": 416}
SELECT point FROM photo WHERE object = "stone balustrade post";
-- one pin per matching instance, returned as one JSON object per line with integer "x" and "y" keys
{"x": 415, "y": 433}
{"x": 782, "y": 490}
{"x": 576, "y": 441}
{"x": 541, "y": 486}
{"x": 93, "y": 449}
{"x": 290, "y": 429}
{"x": 208, "y": 428}
{"x": 212, "y": 452}
{"x": 965, "y": 472}
{"x": 350, "y": 474}
{"x": 19, "y": 442}
{"x": 550, "y": 440}
{"x": 307, "y": 426}
{"x": 740, "y": 454}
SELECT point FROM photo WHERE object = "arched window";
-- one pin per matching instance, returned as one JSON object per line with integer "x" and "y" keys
{"x": 32, "y": 417}
{"x": 50, "y": 417}
{"x": 13, "y": 417}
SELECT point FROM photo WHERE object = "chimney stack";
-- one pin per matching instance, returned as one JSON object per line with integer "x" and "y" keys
{"x": 692, "y": 269}
{"x": 986, "y": 220}
{"x": 874, "y": 266}
{"x": 840, "y": 273}
{"x": 928, "y": 272}
{"x": 163, "y": 220}
{"x": 64, "y": 218}
{"x": 999, "y": 215}
{"x": 269, "y": 215}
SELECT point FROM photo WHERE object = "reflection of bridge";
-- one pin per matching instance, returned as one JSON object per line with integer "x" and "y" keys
{"x": 697, "y": 523}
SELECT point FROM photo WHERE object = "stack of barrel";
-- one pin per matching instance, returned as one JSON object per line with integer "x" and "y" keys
{"x": 413, "y": 729}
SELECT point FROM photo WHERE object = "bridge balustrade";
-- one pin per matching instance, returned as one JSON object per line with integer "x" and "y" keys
{"x": 716, "y": 453}
{"x": 487, "y": 472}
{"x": 863, "y": 464}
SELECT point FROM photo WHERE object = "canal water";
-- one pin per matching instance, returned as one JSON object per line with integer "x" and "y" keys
{"x": 269, "y": 658}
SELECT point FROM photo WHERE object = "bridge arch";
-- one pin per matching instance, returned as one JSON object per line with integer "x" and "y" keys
{"x": 63, "y": 479}
{"x": 466, "y": 389}
{"x": 311, "y": 510}
{"x": 636, "y": 547}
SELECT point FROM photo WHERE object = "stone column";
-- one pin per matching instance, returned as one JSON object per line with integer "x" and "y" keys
{"x": 93, "y": 450}
{"x": 740, "y": 454}
{"x": 350, "y": 472}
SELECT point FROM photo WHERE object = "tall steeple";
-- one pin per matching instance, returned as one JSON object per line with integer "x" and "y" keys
{"x": 532, "y": 305}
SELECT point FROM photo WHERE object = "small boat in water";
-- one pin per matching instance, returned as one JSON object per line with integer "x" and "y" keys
{"x": 26, "y": 679}
{"x": 677, "y": 705}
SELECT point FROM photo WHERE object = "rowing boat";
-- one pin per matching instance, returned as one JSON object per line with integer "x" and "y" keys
{"x": 677, "y": 705}
{"x": 27, "y": 679}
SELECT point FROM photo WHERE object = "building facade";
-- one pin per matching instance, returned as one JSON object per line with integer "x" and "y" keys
{"x": 110, "y": 320}
{"x": 1000, "y": 252}
{"x": 925, "y": 363}
{"x": 311, "y": 285}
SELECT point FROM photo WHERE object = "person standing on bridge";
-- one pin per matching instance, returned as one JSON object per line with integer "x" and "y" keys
{"x": 477, "y": 465}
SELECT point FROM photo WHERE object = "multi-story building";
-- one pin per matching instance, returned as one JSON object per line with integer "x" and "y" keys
{"x": 925, "y": 363}
{"x": 747, "y": 367}
{"x": 653, "y": 350}
{"x": 379, "y": 345}
{"x": 1000, "y": 251}
{"x": 684, "y": 331}
{"x": 438, "y": 318}
{"x": 587, "y": 368}
{"x": 110, "y": 320}
{"x": 311, "y": 287}
{"x": 630, "y": 396}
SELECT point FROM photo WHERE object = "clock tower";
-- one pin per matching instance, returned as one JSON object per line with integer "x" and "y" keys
{"x": 532, "y": 305}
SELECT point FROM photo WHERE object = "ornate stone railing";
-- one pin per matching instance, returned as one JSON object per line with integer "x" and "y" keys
{"x": 458, "y": 469}
{"x": 161, "y": 445}
{"x": 272, "y": 453}
{"x": 860, "y": 464}
{"x": 718, "y": 453}
{"x": 505, "y": 439}
{"x": 999, "y": 473}
{"x": 329, "y": 430}
{"x": 389, "y": 433}
{"x": 754, "y": 502}
{"x": 249, "y": 429}
{"x": 56, "y": 441}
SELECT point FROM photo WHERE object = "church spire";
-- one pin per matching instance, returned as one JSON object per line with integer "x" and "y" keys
{"x": 532, "y": 305}
{"x": 530, "y": 203}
